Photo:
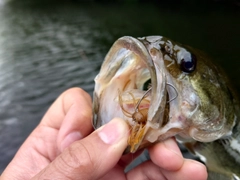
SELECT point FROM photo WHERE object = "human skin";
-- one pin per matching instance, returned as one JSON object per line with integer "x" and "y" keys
{"x": 64, "y": 146}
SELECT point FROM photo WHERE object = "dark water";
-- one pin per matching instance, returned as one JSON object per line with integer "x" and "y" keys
{"x": 46, "y": 48}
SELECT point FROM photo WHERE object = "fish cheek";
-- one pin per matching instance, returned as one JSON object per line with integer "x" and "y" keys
{"x": 210, "y": 101}
{"x": 209, "y": 121}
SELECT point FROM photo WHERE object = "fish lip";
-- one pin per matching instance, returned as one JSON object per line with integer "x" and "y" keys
{"x": 137, "y": 47}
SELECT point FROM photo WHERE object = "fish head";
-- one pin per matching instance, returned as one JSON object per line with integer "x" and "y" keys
{"x": 162, "y": 89}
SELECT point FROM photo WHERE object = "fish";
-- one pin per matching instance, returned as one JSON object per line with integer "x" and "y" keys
{"x": 165, "y": 89}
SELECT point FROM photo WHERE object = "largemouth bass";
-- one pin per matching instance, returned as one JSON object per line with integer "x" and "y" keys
{"x": 165, "y": 89}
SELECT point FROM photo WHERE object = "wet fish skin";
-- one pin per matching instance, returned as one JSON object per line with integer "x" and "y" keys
{"x": 222, "y": 156}
{"x": 204, "y": 115}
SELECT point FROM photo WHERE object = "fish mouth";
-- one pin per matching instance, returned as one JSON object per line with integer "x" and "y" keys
{"x": 129, "y": 82}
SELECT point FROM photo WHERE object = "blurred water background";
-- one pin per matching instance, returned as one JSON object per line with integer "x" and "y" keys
{"x": 47, "y": 47}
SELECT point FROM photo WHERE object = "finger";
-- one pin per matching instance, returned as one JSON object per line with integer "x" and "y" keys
{"x": 71, "y": 114}
{"x": 91, "y": 157}
{"x": 129, "y": 158}
{"x": 190, "y": 170}
{"x": 40, "y": 147}
{"x": 117, "y": 172}
{"x": 58, "y": 110}
{"x": 167, "y": 155}
{"x": 146, "y": 170}
{"x": 77, "y": 122}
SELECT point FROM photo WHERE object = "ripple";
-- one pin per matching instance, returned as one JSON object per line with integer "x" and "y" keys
{"x": 10, "y": 121}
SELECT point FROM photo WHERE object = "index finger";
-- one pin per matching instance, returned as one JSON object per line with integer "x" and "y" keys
{"x": 72, "y": 98}
{"x": 71, "y": 114}
{"x": 163, "y": 153}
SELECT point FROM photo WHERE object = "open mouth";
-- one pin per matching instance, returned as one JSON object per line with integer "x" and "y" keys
{"x": 136, "y": 88}
{"x": 144, "y": 78}
{"x": 142, "y": 94}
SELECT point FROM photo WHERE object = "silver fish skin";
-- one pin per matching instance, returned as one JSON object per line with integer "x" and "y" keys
{"x": 188, "y": 97}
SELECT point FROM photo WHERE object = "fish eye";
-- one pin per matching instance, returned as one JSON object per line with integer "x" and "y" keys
{"x": 188, "y": 63}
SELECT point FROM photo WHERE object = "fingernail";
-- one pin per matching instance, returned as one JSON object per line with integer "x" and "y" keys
{"x": 69, "y": 139}
{"x": 112, "y": 132}
{"x": 172, "y": 145}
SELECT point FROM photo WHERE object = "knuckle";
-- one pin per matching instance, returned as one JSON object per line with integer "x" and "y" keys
{"x": 75, "y": 90}
{"x": 76, "y": 95}
{"x": 79, "y": 160}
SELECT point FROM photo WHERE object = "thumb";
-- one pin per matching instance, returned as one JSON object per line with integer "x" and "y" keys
{"x": 91, "y": 157}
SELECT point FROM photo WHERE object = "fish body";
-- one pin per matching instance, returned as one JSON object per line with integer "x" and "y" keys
{"x": 164, "y": 89}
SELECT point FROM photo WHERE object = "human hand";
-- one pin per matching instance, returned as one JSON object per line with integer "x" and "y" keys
{"x": 61, "y": 147}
